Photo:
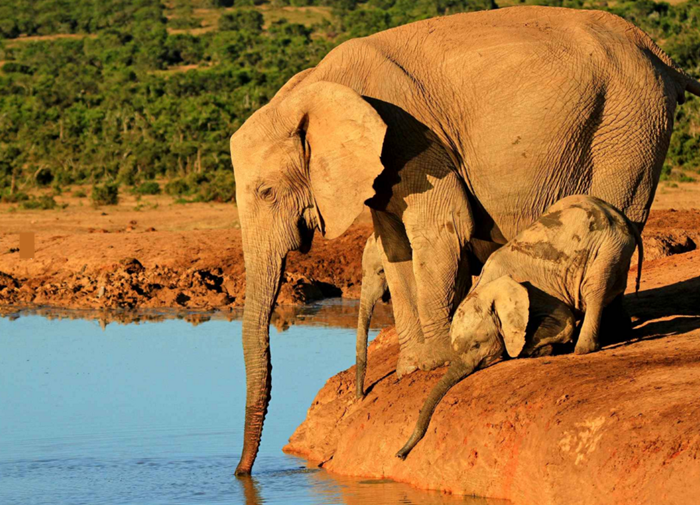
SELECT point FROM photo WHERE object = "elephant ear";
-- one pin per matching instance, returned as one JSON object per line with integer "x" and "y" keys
{"x": 343, "y": 138}
{"x": 512, "y": 305}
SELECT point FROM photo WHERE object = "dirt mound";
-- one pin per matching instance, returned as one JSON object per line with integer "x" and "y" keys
{"x": 616, "y": 427}
{"x": 201, "y": 269}
{"x": 670, "y": 232}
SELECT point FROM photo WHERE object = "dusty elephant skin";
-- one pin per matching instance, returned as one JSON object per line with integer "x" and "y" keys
{"x": 451, "y": 130}
{"x": 617, "y": 427}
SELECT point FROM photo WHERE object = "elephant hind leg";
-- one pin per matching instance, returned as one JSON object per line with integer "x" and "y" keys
{"x": 590, "y": 330}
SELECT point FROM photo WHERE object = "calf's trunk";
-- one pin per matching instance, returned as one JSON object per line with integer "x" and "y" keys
{"x": 457, "y": 371}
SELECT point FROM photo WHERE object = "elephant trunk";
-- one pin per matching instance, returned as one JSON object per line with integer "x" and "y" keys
{"x": 457, "y": 371}
{"x": 262, "y": 285}
{"x": 367, "y": 303}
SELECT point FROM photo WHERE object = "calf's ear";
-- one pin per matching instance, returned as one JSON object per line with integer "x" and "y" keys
{"x": 512, "y": 306}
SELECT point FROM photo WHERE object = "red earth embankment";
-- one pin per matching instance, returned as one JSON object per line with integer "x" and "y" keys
{"x": 616, "y": 427}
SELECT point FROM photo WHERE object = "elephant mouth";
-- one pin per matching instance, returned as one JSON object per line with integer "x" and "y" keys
{"x": 306, "y": 234}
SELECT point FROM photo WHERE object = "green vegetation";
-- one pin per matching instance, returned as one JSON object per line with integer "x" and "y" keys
{"x": 105, "y": 194}
{"x": 122, "y": 92}
{"x": 43, "y": 202}
{"x": 147, "y": 188}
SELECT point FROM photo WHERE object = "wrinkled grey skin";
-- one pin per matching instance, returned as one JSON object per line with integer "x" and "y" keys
{"x": 451, "y": 130}
{"x": 574, "y": 260}
{"x": 374, "y": 288}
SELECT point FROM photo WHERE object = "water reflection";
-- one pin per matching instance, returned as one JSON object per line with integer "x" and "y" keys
{"x": 336, "y": 312}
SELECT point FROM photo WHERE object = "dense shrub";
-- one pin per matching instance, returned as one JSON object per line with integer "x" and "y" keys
{"x": 147, "y": 188}
{"x": 244, "y": 19}
{"x": 44, "y": 202}
{"x": 105, "y": 194}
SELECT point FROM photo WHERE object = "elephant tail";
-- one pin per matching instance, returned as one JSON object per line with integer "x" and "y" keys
{"x": 640, "y": 246}
{"x": 692, "y": 86}
{"x": 640, "y": 258}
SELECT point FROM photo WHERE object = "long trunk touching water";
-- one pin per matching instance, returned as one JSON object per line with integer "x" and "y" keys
{"x": 262, "y": 283}
{"x": 367, "y": 303}
{"x": 457, "y": 371}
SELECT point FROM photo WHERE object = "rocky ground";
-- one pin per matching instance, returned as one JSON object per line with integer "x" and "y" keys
{"x": 615, "y": 427}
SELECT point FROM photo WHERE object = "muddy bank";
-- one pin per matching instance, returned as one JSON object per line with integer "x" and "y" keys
{"x": 129, "y": 264}
{"x": 615, "y": 427}
{"x": 199, "y": 269}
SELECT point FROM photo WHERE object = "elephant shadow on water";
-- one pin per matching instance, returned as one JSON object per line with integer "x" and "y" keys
{"x": 663, "y": 311}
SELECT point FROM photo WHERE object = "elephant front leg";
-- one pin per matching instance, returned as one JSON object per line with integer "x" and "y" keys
{"x": 397, "y": 259}
{"x": 443, "y": 279}
{"x": 402, "y": 286}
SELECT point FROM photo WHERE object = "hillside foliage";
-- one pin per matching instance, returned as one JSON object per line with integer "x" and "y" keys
{"x": 125, "y": 91}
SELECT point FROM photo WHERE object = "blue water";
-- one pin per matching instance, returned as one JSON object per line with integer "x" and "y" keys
{"x": 152, "y": 413}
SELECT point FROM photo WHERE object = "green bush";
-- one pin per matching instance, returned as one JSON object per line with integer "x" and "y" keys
{"x": 178, "y": 187}
{"x": 16, "y": 197}
{"x": 244, "y": 19}
{"x": 221, "y": 188}
{"x": 127, "y": 175}
{"x": 665, "y": 172}
{"x": 79, "y": 193}
{"x": 147, "y": 188}
{"x": 105, "y": 194}
{"x": 44, "y": 202}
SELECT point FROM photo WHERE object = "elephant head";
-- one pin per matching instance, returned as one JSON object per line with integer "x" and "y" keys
{"x": 374, "y": 288}
{"x": 307, "y": 161}
{"x": 491, "y": 320}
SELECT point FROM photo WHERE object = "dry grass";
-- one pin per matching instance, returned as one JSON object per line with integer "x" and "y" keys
{"x": 176, "y": 69}
{"x": 209, "y": 18}
{"x": 38, "y": 38}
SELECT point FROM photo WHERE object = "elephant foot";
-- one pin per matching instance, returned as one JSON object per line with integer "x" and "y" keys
{"x": 425, "y": 357}
{"x": 586, "y": 345}
{"x": 406, "y": 365}
{"x": 435, "y": 356}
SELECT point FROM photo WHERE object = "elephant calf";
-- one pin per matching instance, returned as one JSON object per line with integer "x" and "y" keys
{"x": 572, "y": 261}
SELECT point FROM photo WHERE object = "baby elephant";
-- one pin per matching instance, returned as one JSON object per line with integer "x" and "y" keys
{"x": 374, "y": 288}
{"x": 572, "y": 261}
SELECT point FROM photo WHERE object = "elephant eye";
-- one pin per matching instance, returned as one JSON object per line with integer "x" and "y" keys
{"x": 266, "y": 193}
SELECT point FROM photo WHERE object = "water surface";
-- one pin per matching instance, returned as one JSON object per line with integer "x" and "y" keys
{"x": 152, "y": 413}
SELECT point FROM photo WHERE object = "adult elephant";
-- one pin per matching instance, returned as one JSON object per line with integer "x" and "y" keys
{"x": 457, "y": 132}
